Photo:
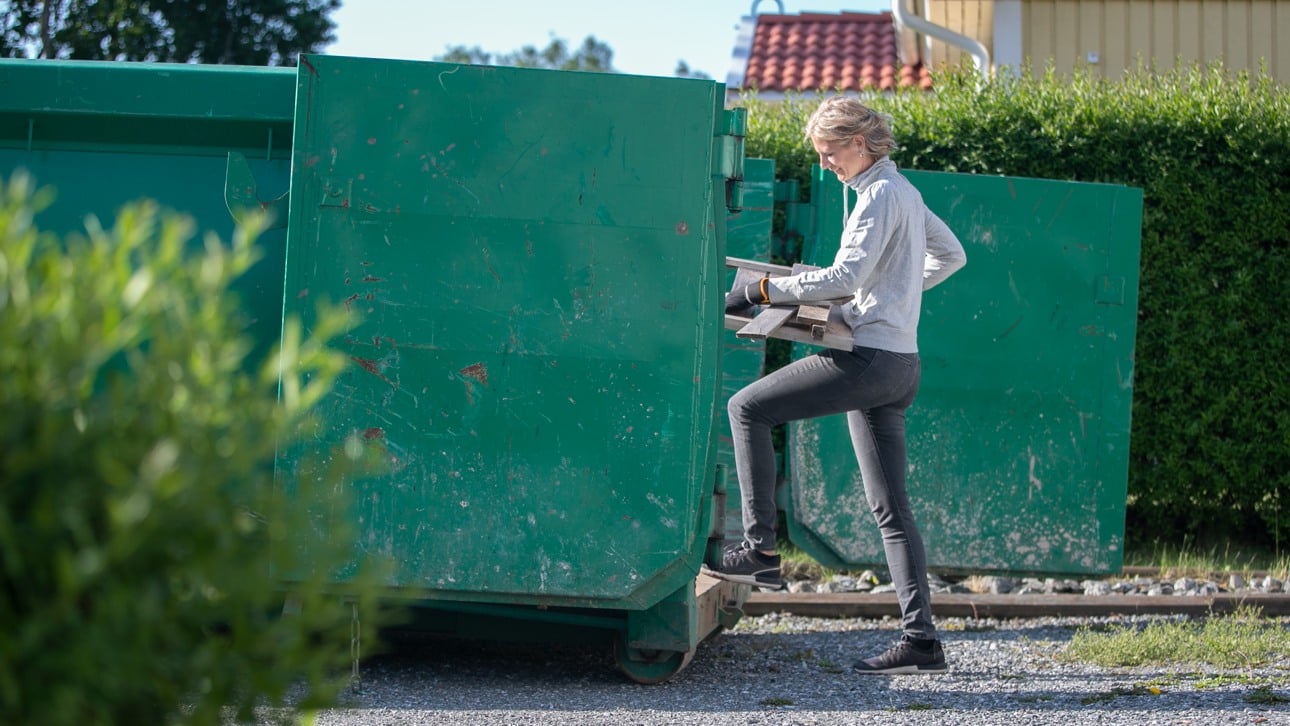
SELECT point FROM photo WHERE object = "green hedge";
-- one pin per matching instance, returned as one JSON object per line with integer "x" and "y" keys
{"x": 1211, "y": 152}
{"x": 144, "y": 551}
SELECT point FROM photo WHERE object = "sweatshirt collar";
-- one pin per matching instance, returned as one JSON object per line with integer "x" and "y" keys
{"x": 866, "y": 177}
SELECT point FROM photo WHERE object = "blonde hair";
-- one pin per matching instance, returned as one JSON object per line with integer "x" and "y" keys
{"x": 842, "y": 118}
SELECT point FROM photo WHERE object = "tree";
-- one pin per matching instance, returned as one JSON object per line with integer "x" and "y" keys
{"x": 592, "y": 55}
{"x": 683, "y": 70}
{"x": 242, "y": 32}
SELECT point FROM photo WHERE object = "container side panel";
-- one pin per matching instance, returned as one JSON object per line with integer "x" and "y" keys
{"x": 1018, "y": 441}
{"x": 529, "y": 258}
{"x": 98, "y": 184}
{"x": 748, "y": 238}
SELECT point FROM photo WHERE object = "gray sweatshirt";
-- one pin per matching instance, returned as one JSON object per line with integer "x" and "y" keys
{"x": 892, "y": 249}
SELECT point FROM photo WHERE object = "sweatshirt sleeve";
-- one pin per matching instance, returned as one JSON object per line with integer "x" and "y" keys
{"x": 945, "y": 253}
{"x": 861, "y": 246}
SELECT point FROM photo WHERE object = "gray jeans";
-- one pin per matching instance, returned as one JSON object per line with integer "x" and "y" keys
{"x": 873, "y": 387}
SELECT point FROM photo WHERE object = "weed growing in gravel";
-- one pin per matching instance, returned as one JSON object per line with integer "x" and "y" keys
{"x": 1190, "y": 560}
{"x": 1219, "y": 680}
{"x": 1034, "y": 699}
{"x": 776, "y": 701}
{"x": 1136, "y": 689}
{"x": 829, "y": 666}
{"x": 1265, "y": 696}
{"x": 913, "y": 707}
{"x": 1240, "y": 639}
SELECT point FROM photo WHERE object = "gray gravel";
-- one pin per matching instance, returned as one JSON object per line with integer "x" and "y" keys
{"x": 781, "y": 669}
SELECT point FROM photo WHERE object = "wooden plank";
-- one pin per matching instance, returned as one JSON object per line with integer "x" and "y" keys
{"x": 766, "y": 322}
{"x": 757, "y": 266}
{"x": 833, "y": 336}
{"x": 801, "y": 323}
{"x": 812, "y": 315}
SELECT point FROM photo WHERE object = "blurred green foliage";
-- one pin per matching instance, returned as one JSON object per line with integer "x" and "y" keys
{"x": 1210, "y": 449}
{"x": 146, "y": 551}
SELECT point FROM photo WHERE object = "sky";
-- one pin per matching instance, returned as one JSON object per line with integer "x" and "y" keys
{"x": 648, "y": 37}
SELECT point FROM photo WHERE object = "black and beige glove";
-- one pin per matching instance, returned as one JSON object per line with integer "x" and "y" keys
{"x": 741, "y": 300}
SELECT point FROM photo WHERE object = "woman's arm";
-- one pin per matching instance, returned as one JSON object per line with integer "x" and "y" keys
{"x": 945, "y": 253}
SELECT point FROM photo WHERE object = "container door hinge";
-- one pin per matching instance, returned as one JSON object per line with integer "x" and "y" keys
{"x": 241, "y": 196}
{"x": 728, "y": 155}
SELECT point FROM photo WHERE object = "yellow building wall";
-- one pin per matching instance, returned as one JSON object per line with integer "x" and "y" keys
{"x": 973, "y": 18}
{"x": 1111, "y": 36}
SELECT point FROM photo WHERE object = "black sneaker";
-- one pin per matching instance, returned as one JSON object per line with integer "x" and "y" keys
{"x": 743, "y": 564}
{"x": 905, "y": 657}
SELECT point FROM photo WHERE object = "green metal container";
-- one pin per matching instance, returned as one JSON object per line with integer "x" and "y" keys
{"x": 533, "y": 260}
{"x": 1019, "y": 437}
{"x": 103, "y": 134}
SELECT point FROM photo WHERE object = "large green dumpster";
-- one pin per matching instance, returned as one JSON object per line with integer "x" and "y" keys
{"x": 534, "y": 261}
{"x": 1019, "y": 438}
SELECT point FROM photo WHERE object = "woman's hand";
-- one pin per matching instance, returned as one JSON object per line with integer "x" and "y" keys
{"x": 741, "y": 300}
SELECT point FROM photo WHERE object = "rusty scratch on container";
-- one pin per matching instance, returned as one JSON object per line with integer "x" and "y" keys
{"x": 372, "y": 367}
{"x": 1011, "y": 328}
{"x": 374, "y": 432}
{"x": 371, "y": 278}
{"x": 303, "y": 294}
{"x": 476, "y": 371}
{"x": 349, "y": 300}
{"x": 682, "y": 228}
{"x": 488, "y": 264}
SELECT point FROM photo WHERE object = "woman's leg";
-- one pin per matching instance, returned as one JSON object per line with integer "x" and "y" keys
{"x": 829, "y": 382}
{"x": 878, "y": 435}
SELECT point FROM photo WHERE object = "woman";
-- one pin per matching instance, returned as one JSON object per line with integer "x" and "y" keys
{"x": 891, "y": 250}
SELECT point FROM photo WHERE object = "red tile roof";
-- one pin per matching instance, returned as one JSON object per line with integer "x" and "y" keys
{"x": 812, "y": 51}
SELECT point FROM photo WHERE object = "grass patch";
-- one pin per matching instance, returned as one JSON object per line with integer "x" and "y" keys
{"x": 969, "y": 626}
{"x": 913, "y": 707}
{"x": 797, "y": 565}
{"x": 1265, "y": 696}
{"x": 1034, "y": 699}
{"x": 1134, "y": 690}
{"x": 829, "y": 666}
{"x": 1239, "y": 639}
{"x": 1220, "y": 680}
{"x": 1189, "y": 560}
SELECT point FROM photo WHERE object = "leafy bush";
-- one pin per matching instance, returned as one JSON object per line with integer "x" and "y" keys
{"x": 1210, "y": 448}
{"x": 143, "y": 545}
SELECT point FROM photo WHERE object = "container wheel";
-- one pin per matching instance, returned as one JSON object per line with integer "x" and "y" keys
{"x": 649, "y": 666}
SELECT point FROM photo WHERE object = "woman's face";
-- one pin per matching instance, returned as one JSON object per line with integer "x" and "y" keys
{"x": 844, "y": 158}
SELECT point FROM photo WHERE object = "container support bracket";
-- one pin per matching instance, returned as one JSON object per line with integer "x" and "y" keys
{"x": 240, "y": 194}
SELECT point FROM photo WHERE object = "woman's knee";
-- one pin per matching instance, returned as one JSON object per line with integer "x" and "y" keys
{"x": 739, "y": 405}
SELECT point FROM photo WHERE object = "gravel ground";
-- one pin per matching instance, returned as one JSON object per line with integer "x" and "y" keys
{"x": 781, "y": 669}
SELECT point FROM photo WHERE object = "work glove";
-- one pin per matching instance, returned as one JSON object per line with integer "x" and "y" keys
{"x": 741, "y": 300}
